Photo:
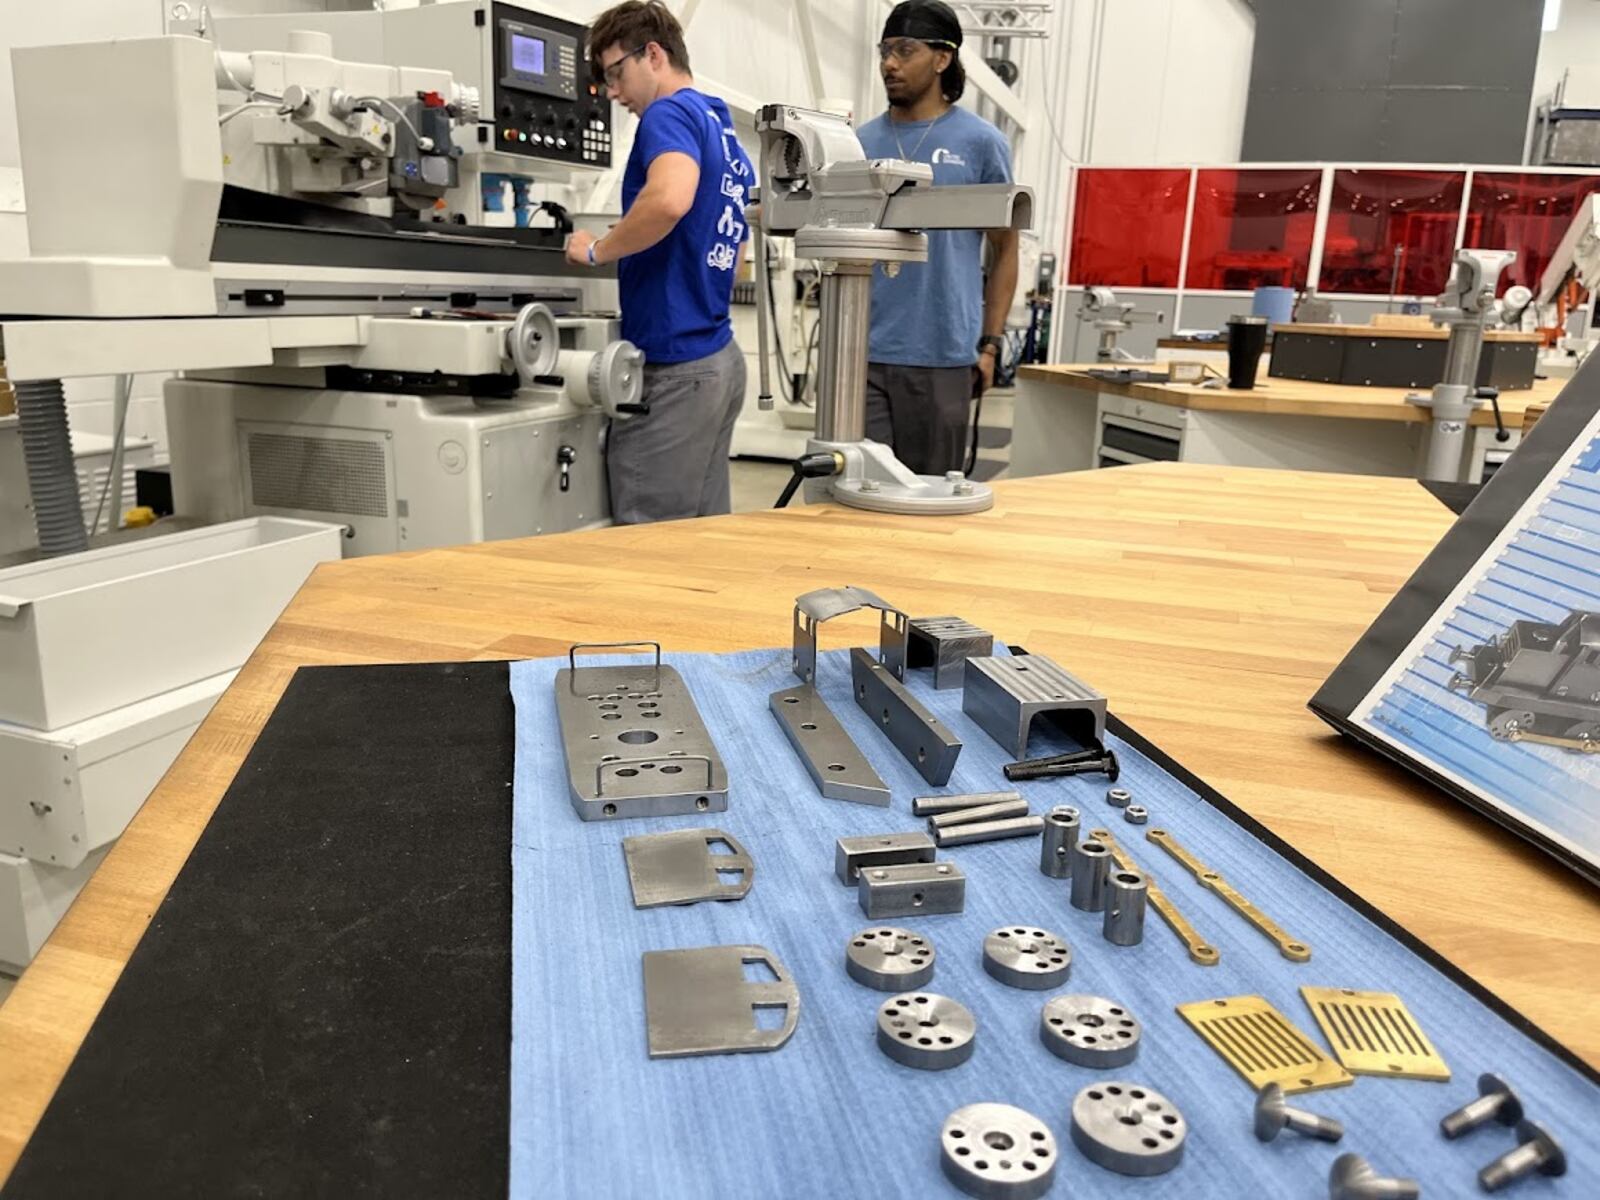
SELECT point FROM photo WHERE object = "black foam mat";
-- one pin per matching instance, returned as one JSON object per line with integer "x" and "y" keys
{"x": 322, "y": 1005}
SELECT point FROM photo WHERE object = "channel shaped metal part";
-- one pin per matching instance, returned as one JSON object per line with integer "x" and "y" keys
{"x": 1374, "y": 1033}
{"x": 634, "y": 741}
{"x": 890, "y": 959}
{"x": 700, "y": 1002}
{"x": 813, "y": 608}
{"x": 945, "y": 644}
{"x": 1023, "y": 957}
{"x": 912, "y": 890}
{"x": 1263, "y": 1045}
{"x": 997, "y": 1152}
{"x": 924, "y": 740}
{"x": 1089, "y": 1031}
{"x": 835, "y": 764}
{"x": 1128, "y": 1128}
{"x": 925, "y": 1031}
{"x": 850, "y": 854}
{"x": 681, "y": 867}
{"x": 1005, "y": 694}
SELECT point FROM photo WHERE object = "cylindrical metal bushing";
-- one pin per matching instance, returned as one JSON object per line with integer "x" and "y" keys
{"x": 1091, "y": 864}
{"x": 1060, "y": 835}
{"x": 931, "y": 1033}
{"x": 1126, "y": 894}
{"x": 889, "y": 959}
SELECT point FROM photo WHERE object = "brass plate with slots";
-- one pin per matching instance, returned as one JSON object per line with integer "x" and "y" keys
{"x": 1263, "y": 1045}
{"x": 1201, "y": 951}
{"x": 1373, "y": 1033}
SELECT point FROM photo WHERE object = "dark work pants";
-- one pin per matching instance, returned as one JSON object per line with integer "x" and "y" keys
{"x": 672, "y": 462}
{"x": 922, "y": 413}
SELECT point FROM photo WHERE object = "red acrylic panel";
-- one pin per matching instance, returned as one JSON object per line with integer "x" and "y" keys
{"x": 1252, "y": 228}
{"x": 1127, "y": 226}
{"x": 1372, "y": 213}
{"x": 1527, "y": 212}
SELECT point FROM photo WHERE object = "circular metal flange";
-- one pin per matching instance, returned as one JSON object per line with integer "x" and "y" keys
{"x": 926, "y": 497}
{"x": 889, "y": 959}
{"x": 1136, "y": 814}
{"x": 1027, "y": 958}
{"x": 534, "y": 341}
{"x": 1090, "y": 1031}
{"x": 1119, "y": 797}
{"x": 860, "y": 245}
{"x": 616, "y": 376}
{"x": 931, "y": 1033}
{"x": 1128, "y": 1128}
{"x": 997, "y": 1152}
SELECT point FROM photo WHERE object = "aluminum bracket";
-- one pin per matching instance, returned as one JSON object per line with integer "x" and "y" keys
{"x": 813, "y": 608}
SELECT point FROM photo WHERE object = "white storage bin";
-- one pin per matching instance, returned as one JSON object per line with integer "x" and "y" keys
{"x": 33, "y": 899}
{"x": 73, "y": 790}
{"x": 87, "y": 633}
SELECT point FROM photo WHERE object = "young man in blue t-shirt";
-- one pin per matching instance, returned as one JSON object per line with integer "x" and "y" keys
{"x": 937, "y": 326}
{"x": 676, "y": 248}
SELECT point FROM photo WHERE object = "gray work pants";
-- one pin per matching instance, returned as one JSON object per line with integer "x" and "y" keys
{"x": 673, "y": 462}
{"x": 922, "y": 413}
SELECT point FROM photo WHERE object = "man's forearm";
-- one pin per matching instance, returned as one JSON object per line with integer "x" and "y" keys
{"x": 649, "y": 220}
{"x": 1001, "y": 287}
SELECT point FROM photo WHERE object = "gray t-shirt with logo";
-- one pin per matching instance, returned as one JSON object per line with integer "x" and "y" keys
{"x": 931, "y": 314}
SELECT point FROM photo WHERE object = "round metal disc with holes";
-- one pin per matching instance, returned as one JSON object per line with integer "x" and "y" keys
{"x": 1128, "y": 1128}
{"x": 1027, "y": 958}
{"x": 931, "y": 1033}
{"x": 1090, "y": 1031}
{"x": 997, "y": 1152}
{"x": 891, "y": 960}
{"x": 534, "y": 340}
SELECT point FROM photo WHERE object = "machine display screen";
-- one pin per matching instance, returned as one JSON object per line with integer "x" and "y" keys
{"x": 527, "y": 54}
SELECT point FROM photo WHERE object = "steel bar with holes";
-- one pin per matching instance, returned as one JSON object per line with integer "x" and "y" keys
{"x": 834, "y": 762}
{"x": 1291, "y": 948}
{"x": 1200, "y": 950}
{"x": 924, "y": 740}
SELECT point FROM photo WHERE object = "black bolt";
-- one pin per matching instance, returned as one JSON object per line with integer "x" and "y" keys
{"x": 1496, "y": 1102}
{"x": 1039, "y": 769}
{"x": 1539, "y": 1151}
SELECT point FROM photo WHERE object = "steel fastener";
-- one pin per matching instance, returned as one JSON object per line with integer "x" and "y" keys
{"x": 1539, "y": 1151}
{"x": 1353, "y": 1178}
{"x": 1496, "y": 1102}
{"x": 1273, "y": 1116}
{"x": 1136, "y": 814}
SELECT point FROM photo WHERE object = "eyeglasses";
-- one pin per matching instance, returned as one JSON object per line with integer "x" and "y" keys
{"x": 902, "y": 49}
{"x": 610, "y": 75}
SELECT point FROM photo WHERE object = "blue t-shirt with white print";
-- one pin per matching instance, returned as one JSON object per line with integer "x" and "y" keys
{"x": 931, "y": 314}
{"x": 676, "y": 295}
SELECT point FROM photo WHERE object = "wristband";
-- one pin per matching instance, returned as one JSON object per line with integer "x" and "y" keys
{"x": 592, "y": 245}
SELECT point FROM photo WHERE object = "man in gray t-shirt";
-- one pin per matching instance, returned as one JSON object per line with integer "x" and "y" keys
{"x": 936, "y": 327}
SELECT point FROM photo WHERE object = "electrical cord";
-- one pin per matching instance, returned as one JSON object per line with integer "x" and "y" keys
{"x": 380, "y": 103}
{"x": 809, "y": 466}
{"x": 125, "y": 387}
{"x": 784, "y": 384}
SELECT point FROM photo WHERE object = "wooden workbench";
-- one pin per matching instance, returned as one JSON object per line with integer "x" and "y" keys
{"x": 1280, "y": 422}
{"x": 1207, "y": 603}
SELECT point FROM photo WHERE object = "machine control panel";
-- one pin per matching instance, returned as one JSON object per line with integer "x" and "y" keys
{"x": 544, "y": 104}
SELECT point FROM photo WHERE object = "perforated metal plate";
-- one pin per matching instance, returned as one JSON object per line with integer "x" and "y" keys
{"x": 1263, "y": 1045}
{"x": 1373, "y": 1033}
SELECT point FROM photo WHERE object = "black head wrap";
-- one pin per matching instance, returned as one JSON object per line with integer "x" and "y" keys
{"x": 925, "y": 20}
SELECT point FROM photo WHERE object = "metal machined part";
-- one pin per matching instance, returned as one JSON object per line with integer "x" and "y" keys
{"x": 1497, "y": 1101}
{"x": 1537, "y": 1150}
{"x": 813, "y": 608}
{"x": 932, "y": 806}
{"x": 834, "y": 762}
{"x": 1126, "y": 893}
{"x": 1118, "y": 797}
{"x": 1200, "y": 950}
{"x": 850, "y": 854}
{"x": 924, "y": 740}
{"x": 945, "y": 644}
{"x": 1005, "y": 694}
{"x": 1021, "y": 957}
{"x": 683, "y": 867}
{"x": 989, "y": 831}
{"x": 1273, "y": 1116}
{"x": 700, "y": 1001}
{"x": 1136, "y": 814}
{"x": 997, "y": 1152}
{"x": 889, "y": 959}
{"x": 1374, "y": 1033}
{"x": 912, "y": 890}
{"x": 1128, "y": 1128}
{"x": 925, "y": 1031}
{"x": 1089, "y": 1031}
{"x": 1291, "y": 948}
{"x": 996, "y": 811}
{"x": 1353, "y": 1178}
{"x": 1263, "y": 1045}
{"x": 1091, "y": 866}
{"x": 1060, "y": 836}
{"x": 635, "y": 744}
